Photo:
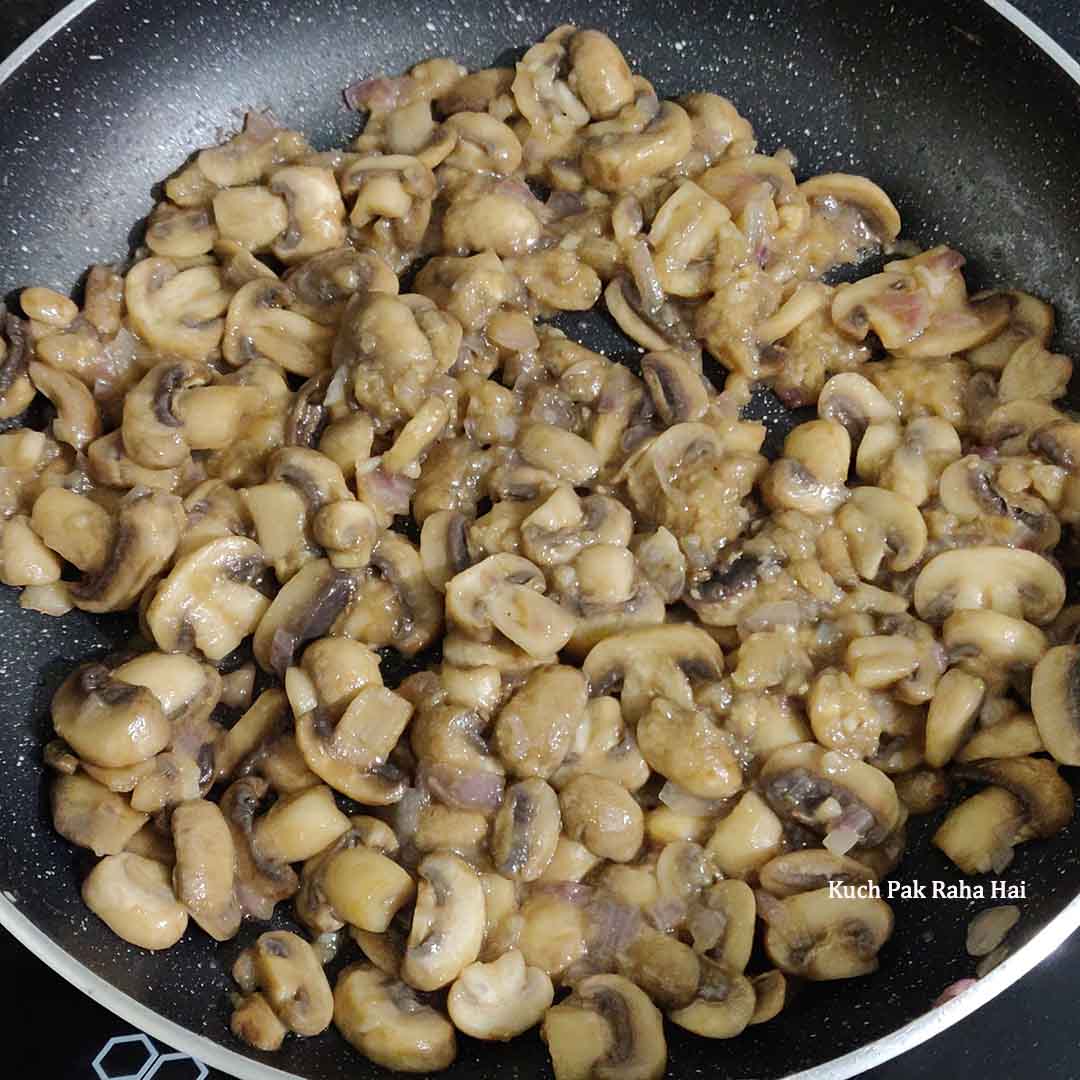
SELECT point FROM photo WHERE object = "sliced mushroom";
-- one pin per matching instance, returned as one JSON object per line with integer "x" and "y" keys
{"x": 304, "y": 609}
{"x": 499, "y": 1000}
{"x": 209, "y": 600}
{"x": 78, "y": 422}
{"x": 1055, "y": 702}
{"x": 882, "y": 528}
{"x": 723, "y": 1007}
{"x": 979, "y": 834}
{"x": 809, "y": 870}
{"x": 448, "y": 922}
{"x": 607, "y": 1028}
{"x": 90, "y": 815}
{"x": 352, "y": 754}
{"x": 603, "y": 816}
{"x": 873, "y": 205}
{"x": 133, "y": 896}
{"x": 360, "y": 886}
{"x": 821, "y": 937}
{"x": 645, "y": 663}
{"x": 148, "y": 529}
{"x": 75, "y": 527}
{"x": 952, "y": 715}
{"x": 746, "y": 838}
{"x": 176, "y": 311}
{"x": 826, "y": 790}
{"x": 388, "y": 1023}
{"x": 300, "y": 825}
{"x": 107, "y": 721}
{"x": 535, "y": 728}
{"x": 614, "y": 160}
{"x": 1011, "y": 581}
{"x": 316, "y": 212}
{"x": 1045, "y": 796}
{"x": 285, "y": 971}
{"x": 526, "y": 830}
{"x": 205, "y": 874}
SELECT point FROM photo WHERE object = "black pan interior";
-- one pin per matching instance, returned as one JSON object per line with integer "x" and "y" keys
{"x": 966, "y": 123}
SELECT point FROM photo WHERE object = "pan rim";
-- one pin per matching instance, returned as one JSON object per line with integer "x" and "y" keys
{"x": 239, "y": 1065}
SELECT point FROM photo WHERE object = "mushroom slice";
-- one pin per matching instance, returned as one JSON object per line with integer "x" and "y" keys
{"x": 260, "y": 882}
{"x": 872, "y": 204}
{"x": 607, "y": 1029}
{"x": 650, "y": 662}
{"x": 386, "y": 1021}
{"x": 89, "y": 815}
{"x": 819, "y": 936}
{"x": 1012, "y": 581}
{"x": 285, "y": 970}
{"x": 525, "y": 832}
{"x": 685, "y": 746}
{"x": 448, "y": 922}
{"x": 827, "y": 790}
{"x": 260, "y": 324}
{"x": 809, "y": 870}
{"x": 209, "y": 600}
{"x": 74, "y": 526}
{"x": 989, "y": 644}
{"x": 361, "y": 886}
{"x": 604, "y": 816}
{"x": 78, "y": 422}
{"x": 1015, "y": 736}
{"x": 148, "y": 529}
{"x": 304, "y": 609}
{"x": 1045, "y": 796}
{"x": 1055, "y": 702}
{"x": 316, "y": 212}
{"x": 979, "y": 834}
{"x": 879, "y": 523}
{"x": 667, "y": 969}
{"x": 724, "y": 1004}
{"x": 175, "y": 311}
{"x": 205, "y": 872}
{"x": 109, "y": 722}
{"x": 499, "y": 1000}
{"x": 505, "y": 593}
{"x": 535, "y": 729}
{"x": 133, "y": 896}
{"x": 616, "y": 160}
{"x": 351, "y": 754}
{"x": 300, "y": 825}
{"x": 770, "y": 994}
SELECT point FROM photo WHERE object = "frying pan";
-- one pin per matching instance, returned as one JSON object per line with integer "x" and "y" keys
{"x": 961, "y": 109}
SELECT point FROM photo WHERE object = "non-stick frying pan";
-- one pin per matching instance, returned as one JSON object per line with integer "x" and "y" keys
{"x": 970, "y": 124}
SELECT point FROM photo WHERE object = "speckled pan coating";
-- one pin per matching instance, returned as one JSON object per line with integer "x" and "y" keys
{"x": 972, "y": 129}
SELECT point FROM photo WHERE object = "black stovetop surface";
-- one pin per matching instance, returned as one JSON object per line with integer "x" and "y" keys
{"x": 60, "y": 1034}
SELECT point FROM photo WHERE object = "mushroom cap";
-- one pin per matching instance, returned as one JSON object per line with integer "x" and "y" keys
{"x": 385, "y": 1020}
{"x": 822, "y": 937}
{"x": 607, "y": 1028}
{"x": 1046, "y": 797}
{"x": 1012, "y": 581}
{"x": 499, "y": 1000}
{"x": 290, "y": 977}
{"x": 1055, "y": 702}
{"x": 724, "y": 1005}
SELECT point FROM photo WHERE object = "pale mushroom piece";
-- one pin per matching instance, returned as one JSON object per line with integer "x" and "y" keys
{"x": 387, "y": 1022}
{"x": 78, "y": 421}
{"x": 205, "y": 876}
{"x": 686, "y": 747}
{"x": 724, "y": 1005}
{"x": 1011, "y": 581}
{"x": 284, "y": 969}
{"x": 316, "y": 220}
{"x": 826, "y": 790}
{"x": 770, "y": 995}
{"x": 606, "y": 1028}
{"x": 882, "y": 528}
{"x": 88, "y": 814}
{"x": 352, "y": 754}
{"x": 989, "y": 644}
{"x": 604, "y": 816}
{"x": 1055, "y": 703}
{"x": 667, "y": 969}
{"x": 614, "y": 161}
{"x": 300, "y": 825}
{"x": 822, "y": 937}
{"x": 24, "y": 559}
{"x": 525, "y": 831}
{"x": 209, "y": 600}
{"x": 746, "y": 838}
{"x": 365, "y": 887}
{"x": 1044, "y": 794}
{"x": 134, "y": 897}
{"x": 809, "y": 870}
{"x": 979, "y": 834}
{"x": 501, "y": 999}
{"x": 147, "y": 531}
{"x": 1015, "y": 736}
{"x": 640, "y": 663}
{"x": 75, "y": 527}
{"x": 107, "y": 721}
{"x": 952, "y": 715}
{"x": 534, "y": 730}
{"x": 866, "y": 197}
{"x": 448, "y": 922}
